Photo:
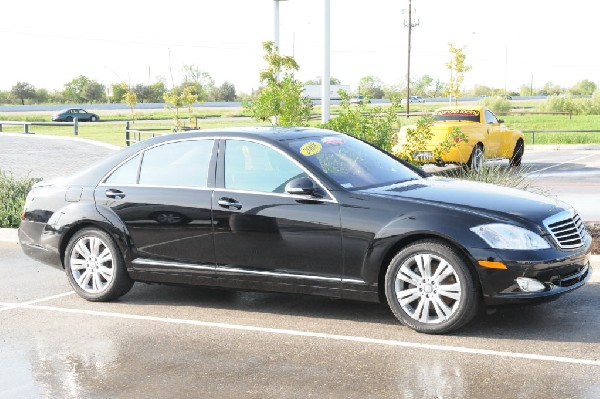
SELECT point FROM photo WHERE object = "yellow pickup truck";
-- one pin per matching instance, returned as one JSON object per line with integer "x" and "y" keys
{"x": 487, "y": 138}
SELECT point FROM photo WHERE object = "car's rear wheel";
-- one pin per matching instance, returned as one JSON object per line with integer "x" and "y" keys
{"x": 477, "y": 158}
{"x": 95, "y": 266}
{"x": 93, "y": 118}
{"x": 517, "y": 156}
{"x": 430, "y": 288}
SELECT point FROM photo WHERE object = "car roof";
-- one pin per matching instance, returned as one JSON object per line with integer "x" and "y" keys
{"x": 266, "y": 133}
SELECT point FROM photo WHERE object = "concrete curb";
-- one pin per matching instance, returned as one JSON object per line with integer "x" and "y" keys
{"x": 10, "y": 236}
{"x": 546, "y": 147}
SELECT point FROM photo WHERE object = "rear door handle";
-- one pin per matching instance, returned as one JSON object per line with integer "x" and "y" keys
{"x": 112, "y": 193}
{"x": 229, "y": 203}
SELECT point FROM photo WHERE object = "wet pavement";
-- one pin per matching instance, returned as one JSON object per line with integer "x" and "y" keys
{"x": 163, "y": 341}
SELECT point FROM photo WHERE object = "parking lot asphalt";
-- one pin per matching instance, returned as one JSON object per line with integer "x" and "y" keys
{"x": 163, "y": 341}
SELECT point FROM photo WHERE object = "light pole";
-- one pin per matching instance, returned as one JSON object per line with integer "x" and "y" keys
{"x": 409, "y": 24}
{"x": 276, "y": 23}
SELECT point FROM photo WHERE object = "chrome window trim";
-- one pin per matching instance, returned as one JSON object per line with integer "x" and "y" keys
{"x": 312, "y": 176}
{"x": 107, "y": 175}
{"x": 282, "y": 195}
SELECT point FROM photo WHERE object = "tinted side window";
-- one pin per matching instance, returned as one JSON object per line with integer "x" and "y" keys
{"x": 184, "y": 163}
{"x": 127, "y": 173}
{"x": 255, "y": 167}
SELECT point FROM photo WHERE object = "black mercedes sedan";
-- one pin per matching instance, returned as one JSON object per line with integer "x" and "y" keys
{"x": 304, "y": 210}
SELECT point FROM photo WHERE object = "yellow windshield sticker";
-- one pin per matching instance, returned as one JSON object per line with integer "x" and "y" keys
{"x": 310, "y": 148}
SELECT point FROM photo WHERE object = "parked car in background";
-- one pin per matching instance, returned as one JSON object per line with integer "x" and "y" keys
{"x": 68, "y": 115}
{"x": 414, "y": 99}
{"x": 304, "y": 210}
{"x": 359, "y": 100}
{"x": 487, "y": 137}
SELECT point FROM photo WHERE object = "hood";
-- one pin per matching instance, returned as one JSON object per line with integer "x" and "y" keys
{"x": 477, "y": 197}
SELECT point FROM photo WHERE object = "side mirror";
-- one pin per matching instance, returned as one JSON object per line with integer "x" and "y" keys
{"x": 500, "y": 120}
{"x": 301, "y": 186}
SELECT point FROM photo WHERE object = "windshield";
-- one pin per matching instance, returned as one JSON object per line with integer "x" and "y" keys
{"x": 463, "y": 115}
{"x": 350, "y": 162}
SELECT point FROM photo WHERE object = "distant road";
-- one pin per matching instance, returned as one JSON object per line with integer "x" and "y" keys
{"x": 234, "y": 104}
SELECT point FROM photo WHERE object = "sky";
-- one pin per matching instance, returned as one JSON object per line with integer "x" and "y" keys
{"x": 507, "y": 43}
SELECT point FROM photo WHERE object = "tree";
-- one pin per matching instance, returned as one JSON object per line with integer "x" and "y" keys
{"x": 421, "y": 86}
{"x": 550, "y": 89}
{"x": 130, "y": 99}
{"x": 156, "y": 92}
{"x": 118, "y": 92}
{"x": 280, "y": 98}
{"x": 83, "y": 89}
{"x": 370, "y": 86}
{"x": 457, "y": 68}
{"x": 583, "y": 88}
{"x": 225, "y": 92}
{"x": 142, "y": 92}
{"x": 202, "y": 83}
{"x": 22, "y": 91}
{"x": 94, "y": 92}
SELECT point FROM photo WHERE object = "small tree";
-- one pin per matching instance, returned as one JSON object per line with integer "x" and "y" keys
{"x": 118, "y": 91}
{"x": 23, "y": 91}
{"x": 457, "y": 68}
{"x": 188, "y": 98}
{"x": 173, "y": 101}
{"x": 280, "y": 98}
{"x": 130, "y": 99}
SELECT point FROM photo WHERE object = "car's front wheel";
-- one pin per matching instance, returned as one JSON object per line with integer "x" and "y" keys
{"x": 95, "y": 267}
{"x": 430, "y": 288}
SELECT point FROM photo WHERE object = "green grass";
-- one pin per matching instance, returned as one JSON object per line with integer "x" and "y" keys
{"x": 114, "y": 133}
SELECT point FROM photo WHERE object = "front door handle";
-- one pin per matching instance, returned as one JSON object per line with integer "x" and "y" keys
{"x": 229, "y": 203}
{"x": 116, "y": 194}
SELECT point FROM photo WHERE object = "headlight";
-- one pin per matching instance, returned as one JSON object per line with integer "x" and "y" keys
{"x": 506, "y": 236}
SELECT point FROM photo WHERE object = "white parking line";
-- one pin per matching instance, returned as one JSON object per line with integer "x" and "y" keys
{"x": 9, "y": 306}
{"x": 559, "y": 164}
{"x": 335, "y": 337}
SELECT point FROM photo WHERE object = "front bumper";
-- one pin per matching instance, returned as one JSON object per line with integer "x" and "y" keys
{"x": 558, "y": 271}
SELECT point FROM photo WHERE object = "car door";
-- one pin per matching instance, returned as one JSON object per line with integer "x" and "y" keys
{"x": 494, "y": 135}
{"x": 265, "y": 235}
{"x": 163, "y": 197}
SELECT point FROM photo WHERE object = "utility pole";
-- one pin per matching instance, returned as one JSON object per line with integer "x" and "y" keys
{"x": 325, "y": 100}
{"x": 409, "y": 24}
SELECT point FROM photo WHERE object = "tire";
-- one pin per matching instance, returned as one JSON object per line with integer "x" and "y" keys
{"x": 413, "y": 284}
{"x": 517, "y": 155}
{"x": 93, "y": 119}
{"x": 69, "y": 119}
{"x": 95, "y": 267}
{"x": 476, "y": 159}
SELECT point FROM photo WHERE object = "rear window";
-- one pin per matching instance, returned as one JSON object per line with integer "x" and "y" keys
{"x": 461, "y": 115}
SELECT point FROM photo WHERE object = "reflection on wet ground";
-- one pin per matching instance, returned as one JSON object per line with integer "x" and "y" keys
{"x": 47, "y": 353}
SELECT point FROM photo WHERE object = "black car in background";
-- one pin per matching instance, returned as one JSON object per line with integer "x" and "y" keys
{"x": 309, "y": 211}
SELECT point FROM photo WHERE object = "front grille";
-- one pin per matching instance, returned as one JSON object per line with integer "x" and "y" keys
{"x": 567, "y": 229}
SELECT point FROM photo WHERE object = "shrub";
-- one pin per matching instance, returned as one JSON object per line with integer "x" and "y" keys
{"x": 372, "y": 124}
{"x": 12, "y": 198}
{"x": 497, "y": 105}
{"x": 499, "y": 174}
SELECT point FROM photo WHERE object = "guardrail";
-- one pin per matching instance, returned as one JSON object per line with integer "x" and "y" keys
{"x": 26, "y": 125}
{"x": 533, "y": 132}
